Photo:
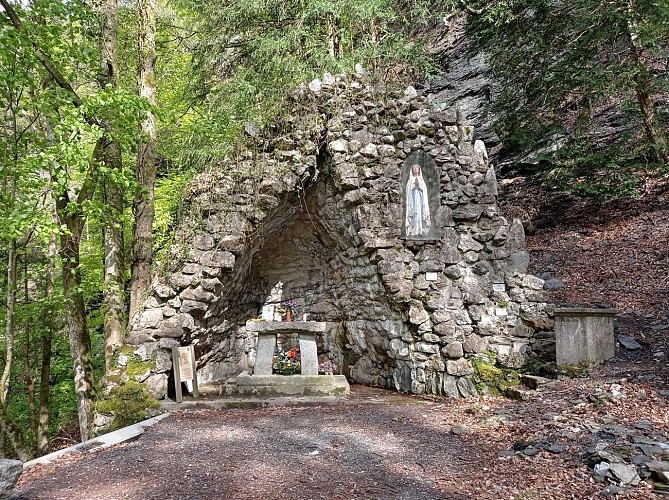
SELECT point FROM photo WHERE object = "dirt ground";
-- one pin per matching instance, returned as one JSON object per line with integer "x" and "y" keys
{"x": 374, "y": 445}
{"x": 380, "y": 445}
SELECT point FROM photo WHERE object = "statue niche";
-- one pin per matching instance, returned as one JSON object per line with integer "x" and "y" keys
{"x": 419, "y": 190}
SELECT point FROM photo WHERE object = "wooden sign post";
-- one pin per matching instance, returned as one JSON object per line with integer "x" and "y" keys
{"x": 183, "y": 361}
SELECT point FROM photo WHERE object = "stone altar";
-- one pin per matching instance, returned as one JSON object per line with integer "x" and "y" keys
{"x": 263, "y": 382}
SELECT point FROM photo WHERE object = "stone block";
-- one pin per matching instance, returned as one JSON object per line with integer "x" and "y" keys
{"x": 156, "y": 384}
{"x": 198, "y": 294}
{"x": 453, "y": 350}
{"x": 584, "y": 335}
{"x": 467, "y": 388}
{"x": 150, "y": 318}
{"x": 265, "y": 353}
{"x": 459, "y": 367}
{"x": 164, "y": 292}
{"x": 308, "y": 354}
{"x": 215, "y": 258}
{"x": 10, "y": 470}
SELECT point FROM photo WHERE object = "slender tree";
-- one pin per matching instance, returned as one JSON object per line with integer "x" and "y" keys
{"x": 142, "y": 242}
{"x": 114, "y": 263}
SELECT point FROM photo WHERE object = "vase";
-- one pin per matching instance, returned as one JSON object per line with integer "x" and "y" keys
{"x": 289, "y": 316}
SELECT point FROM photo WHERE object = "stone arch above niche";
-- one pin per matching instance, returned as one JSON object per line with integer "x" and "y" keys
{"x": 420, "y": 195}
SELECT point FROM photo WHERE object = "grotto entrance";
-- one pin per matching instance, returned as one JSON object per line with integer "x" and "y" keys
{"x": 378, "y": 213}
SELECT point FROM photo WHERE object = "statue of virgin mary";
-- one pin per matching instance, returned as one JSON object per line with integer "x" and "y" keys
{"x": 417, "y": 220}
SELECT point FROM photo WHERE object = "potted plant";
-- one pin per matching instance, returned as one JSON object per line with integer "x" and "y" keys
{"x": 288, "y": 309}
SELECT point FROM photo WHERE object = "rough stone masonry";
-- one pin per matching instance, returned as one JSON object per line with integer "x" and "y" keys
{"x": 318, "y": 203}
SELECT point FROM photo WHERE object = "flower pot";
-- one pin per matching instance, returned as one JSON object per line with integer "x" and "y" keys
{"x": 289, "y": 316}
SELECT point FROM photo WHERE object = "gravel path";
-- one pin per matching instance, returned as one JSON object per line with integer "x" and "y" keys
{"x": 376, "y": 445}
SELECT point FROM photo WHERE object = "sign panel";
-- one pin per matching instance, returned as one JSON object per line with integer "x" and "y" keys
{"x": 498, "y": 287}
{"x": 431, "y": 276}
{"x": 185, "y": 364}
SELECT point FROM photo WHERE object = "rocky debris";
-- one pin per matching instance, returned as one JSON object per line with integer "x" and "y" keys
{"x": 10, "y": 470}
{"x": 535, "y": 382}
{"x": 554, "y": 284}
{"x": 628, "y": 342}
{"x": 460, "y": 430}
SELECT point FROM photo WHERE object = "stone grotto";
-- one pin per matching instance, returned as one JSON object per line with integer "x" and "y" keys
{"x": 374, "y": 211}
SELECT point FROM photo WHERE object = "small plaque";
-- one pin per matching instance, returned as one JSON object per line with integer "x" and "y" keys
{"x": 185, "y": 364}
{"x": 498, "y": 287}
{"x": 501, "y": 311}
{"x": 431, "y": 276}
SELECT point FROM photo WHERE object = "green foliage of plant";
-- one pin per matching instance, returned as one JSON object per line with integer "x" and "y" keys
{"x": 574, "y": 371}
{"x": 490, "y": 378}
{"x": 128, "y": 403}
{"x": 557, "y": 65}
{"x": 169, "y": 192}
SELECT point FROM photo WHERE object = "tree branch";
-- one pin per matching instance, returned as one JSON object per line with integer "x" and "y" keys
{"x": 43, "y": 58}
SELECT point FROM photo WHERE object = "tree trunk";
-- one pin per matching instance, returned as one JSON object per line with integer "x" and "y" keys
{"x": 45, "y": 371}
{"x": 9, "y": 322}
{"x": 114, "y": 270}
{"x": 644, "y": 90}
{"x": 142, "y": 240}
{"x": 27, "y": 372}
{"x": 75, "y": 313}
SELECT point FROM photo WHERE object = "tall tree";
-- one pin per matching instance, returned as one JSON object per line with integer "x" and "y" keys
{"x": 71, "y": 215}
{"x": 142, "y": 242}
{"x": 114, "y": 263}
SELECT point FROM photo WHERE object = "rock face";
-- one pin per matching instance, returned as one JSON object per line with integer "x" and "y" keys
{"x": 10, "y": 470}
{"x": 318, "y": 212}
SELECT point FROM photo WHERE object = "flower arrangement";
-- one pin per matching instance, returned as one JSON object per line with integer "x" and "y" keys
{"x": 327, "y": 367}
{"x": 287, "y": 362}
{"x": 288, "y": 308}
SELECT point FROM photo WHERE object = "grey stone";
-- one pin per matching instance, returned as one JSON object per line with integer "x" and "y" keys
{"x": 10, "y": 470}
{"x": 417, "y": 314}
{"x": 626, "y": 474}
{"x": 156, "y": 384}
{"x": 145, "y": 351}
{"x": 210, "y": 284}
{"x": 309, "y": 354}
{"x": 164, "y": 292}
{"x": 163, "y": 360}
{"x": 451, "y": 387}
{"x": 459, "y": 367}
{"x": 554, "y": 284}
{"x": 467, "y": 388}
{"x": 215, "y": 258}
{"x": 628, "y": 342}
{"x": 193, "y": 307}
{"x": 198, "y": 294}
{"x": 265, "y": 353}
{"x": 150, "y": 318}
{"x": 584, "y": 335}
{"x": 203, "y": 242}
{"x": 460, "y": 430}
{"x": 475, "y": 344}
{"x": 453, "y": 350}
{"x": 427, "y": 347}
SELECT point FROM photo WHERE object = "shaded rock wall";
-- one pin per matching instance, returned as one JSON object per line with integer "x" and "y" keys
{"x": 318, "y": 204}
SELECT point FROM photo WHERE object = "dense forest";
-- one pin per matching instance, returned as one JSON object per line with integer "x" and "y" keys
{"x": 109, "y": 108}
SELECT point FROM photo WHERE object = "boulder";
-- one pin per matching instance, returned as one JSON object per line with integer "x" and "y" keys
{"x": 10, "y": 470}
